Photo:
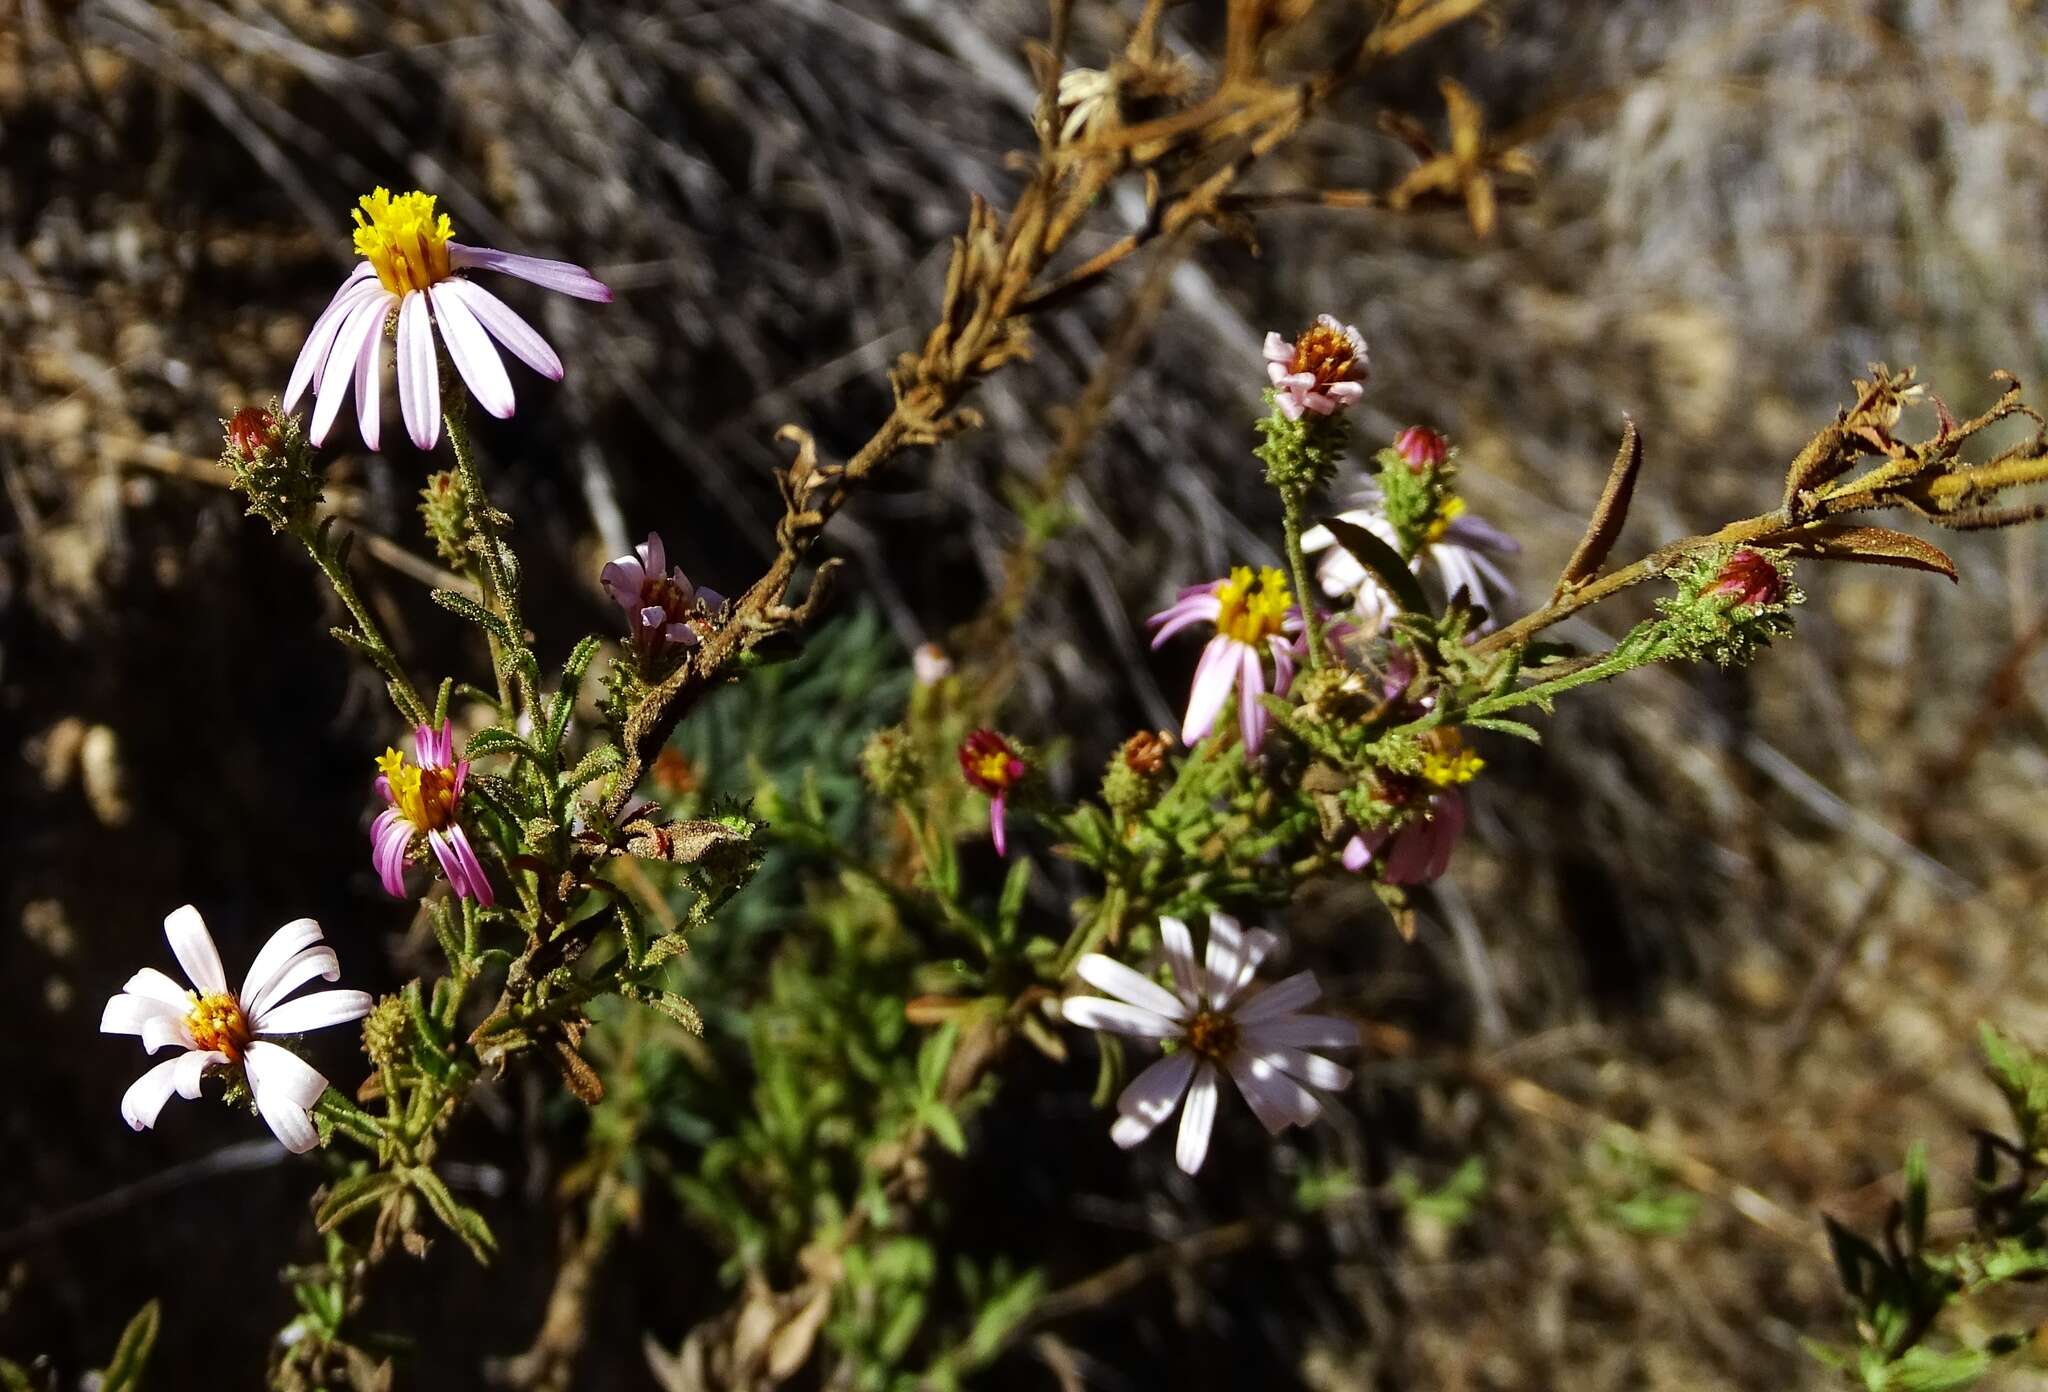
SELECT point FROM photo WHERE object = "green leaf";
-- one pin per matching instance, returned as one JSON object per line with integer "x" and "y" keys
{"x": 1499, "y": 725}
{"x": 462, "y": 606}
{"x": 1925, "y": 1369}
{"x": 603, "y": 759}
{"x": 944, "y": 1126}
{"x": 131, "y": 1354}
{"x": 933, "y": 1057}
{"x": 1383, "y": 561}
{"x": 351, "y": 1196}
{"x": 1011, "y": 908}
{"x": 465, "y": 1222}
{"x": 496, "y": 739}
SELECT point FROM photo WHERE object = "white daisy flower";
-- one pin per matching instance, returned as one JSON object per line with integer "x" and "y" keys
{"x": 1260, "y": 1039}
{"x": 218, "y": 1028}
{"x": 1460, "y": 550}
{"x": 411, "y": 265}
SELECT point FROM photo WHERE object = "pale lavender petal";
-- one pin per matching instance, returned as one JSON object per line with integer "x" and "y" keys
{"x": 1280, "y": 998}
{"x": 318, "y": 960}
{"x": 1112, "y": 977}
{"x": 365, "y": 319}
{"x": 285, "y": 944}
{"x": 1197, "y": 1117}
{"x": 1180, "y": 956}
{"x": 317, "y": 1011}
{"x": 1302, "y": 1032}
{"x": 1312, "y": 1069}
{"x": 193, "y": 946}
{"x": 320, "y": 339}
{"x": 1202, "y": 609}
{"x": 146, "y": 1096}
{"x": 498, "y": 318}
{"x": 370, "y": 381}
{"x": 1215, "y": 673}
{"x": 1344, "y": 393}
{"x": 1233, "y": 956}
{"x": 622, "y": 580}
{"x": 562, "y": 277}
{"x": 1278, "y": 349}
{"x": 474, "y": 355}
{"x": 276, "y": 1070}
{"x": 1283, "y": 658}
{"x": 1357, "y": 854}
{"x": 419, "y": 374}
{"x": 1151, "y": 1097}
{"x": 1251, "y": 714}
{"x": 1275, "y": 1099}
{"x": 1097, "y": 1013}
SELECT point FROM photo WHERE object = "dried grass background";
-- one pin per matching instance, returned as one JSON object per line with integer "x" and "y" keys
{"x": 1741, "y": 205}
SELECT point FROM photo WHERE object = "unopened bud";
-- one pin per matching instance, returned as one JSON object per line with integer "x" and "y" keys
{"x": 1421, "y": 448}
{"x": 1749, "y": 578}
{"x": 250, "y": 430}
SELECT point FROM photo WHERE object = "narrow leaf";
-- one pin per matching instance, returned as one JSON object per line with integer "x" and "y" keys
{"x": 462, "y": 606}
{"x": 1839, "y": 541}
{"x": 131, "y": 1355}
{"x": 1382, "y": 560}
{"x": 1604, "y": 527}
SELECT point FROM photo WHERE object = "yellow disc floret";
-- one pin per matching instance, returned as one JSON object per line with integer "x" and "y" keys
{"x": 1253, "y": 610}
{"x": 424, "y": 796}
{"x": 217, "y": 1023}
{"x": 1446, "y": 761}
{"x": 404, "y": 239}
{"x": 1451, "y": 509}
{"x": 1213, "y": 1036}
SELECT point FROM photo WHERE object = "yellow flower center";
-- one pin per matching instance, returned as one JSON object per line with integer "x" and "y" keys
{"x": 1253, "y": 610}
{"x": 994, "y": 768}
{"x": 424, "y": 796}
{"x": 1212, "y": 1035}
{"x": 1446, "y": 761}
{"x": 217, "y": 1023}
{"x": 1326, "y": 352}
{"x": 404, "y": 239}
{"x": 1451, "y": 510}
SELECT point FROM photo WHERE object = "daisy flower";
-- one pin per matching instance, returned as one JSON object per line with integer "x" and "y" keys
{"x": 662, "y": 607}
{"x": 1253, "y": 617}
{"x": 423, "y": 799}
{"x": 1321, "y": 372}
{"x": 1260, "y": 1040}
{"x": 992, "y": 766}
{"x": 1460, "y": 550}
{"x": 214, "y": 1027}
{"x": 412, "y": 265}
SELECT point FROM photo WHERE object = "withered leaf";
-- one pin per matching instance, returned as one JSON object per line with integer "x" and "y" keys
{"x": 1604, "y": 528}
{"x": 1840, "y": 541}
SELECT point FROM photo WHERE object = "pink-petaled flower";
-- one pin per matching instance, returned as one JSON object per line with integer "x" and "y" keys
{"x": 1460, "y": 550}
{"x": 993, "y": 766}
{"x": 1421, "y": 448}
{"x": 424, "y": 799}
{"x": 1416, "y": 852}
{"x": 214, "y": 1027}
{"x": 1261, "y": 1040}
{"x": 1749, "y": 578}
{"x": 663, "y": 609}
{"x": 1321, "y": 372}
{"x": 412, "y": 266}
{"x": 1255, "y": 617}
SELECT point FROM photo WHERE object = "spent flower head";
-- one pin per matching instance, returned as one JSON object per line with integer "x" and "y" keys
{"x": 218, "y": 1028}
{"x": 1321, "y": 372}
{"x": 1261, "y": 1040}
{"x": 413, "y": 267}
{"x": 425, "y": 799}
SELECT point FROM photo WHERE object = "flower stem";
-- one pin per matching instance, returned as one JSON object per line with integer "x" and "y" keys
{"x": 368, "y": 639}
{"x": 1293, "y": 503}
{"x": 501, "y": 590}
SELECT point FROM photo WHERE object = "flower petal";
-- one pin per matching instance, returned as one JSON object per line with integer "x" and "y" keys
{"x": 128, "y": 1013}
{"x": 146, "y": 1096}
{"x": 1112, "y": 977}
{"x": 154, "y": 984}
{"x": 390, "y": 837}
{"x": 1280, "y": 998}
{"x": 1233, "y": 955}
{"x": 282, "y": 1074}
{"x": 563, "y": 277}
{"x": 1251, "y": 715}
{"x": 370, "y": 381}
{"x": 317, "y": 1011}
{"x": 1214, "y": 675}
{"x": 1197, "y": 1117}
{"x": 163, "y": 1030}
{"x": 1151, "y": 1097}
{"x": 1275, "y": 1099}
{"x": 475, "y": 356}
{"x": 518, "y": 336}
{"x": 419, "y": 374}
{"x": 1313, "y": 1069}
{"x": 1301, "y": 1031}
{"x": 1180, "y": 956}
{"x": 364, "y": 320}
{"x": 1117, "y": 1017}
{"x": 290, "y": 1123}
{"x": 193, "y": 946}
{"x": 313, "y": 355}
{"x": 286, "y": 943}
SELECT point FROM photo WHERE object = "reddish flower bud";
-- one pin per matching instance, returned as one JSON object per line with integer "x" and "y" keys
{"x": 1421, "y": 447}
{"x": 251, "y": 429}
{"x": 1748, "y": 577}
{"x": 994, "y": 767}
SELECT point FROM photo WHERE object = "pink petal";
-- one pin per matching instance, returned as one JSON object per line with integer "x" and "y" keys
{"x": 475, "y": 356}
{"x": 508, "y": 328}
{"x": 1214, "y": 675}
{"x": 1251, "y": 715}
{"x": 562, "y": 277}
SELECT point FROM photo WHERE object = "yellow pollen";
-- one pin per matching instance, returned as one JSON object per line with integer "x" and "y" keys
{"x": 1253, "y": 610}
{"x": 404, "y": 239}
{"x": 424, "y": 796}
{"x": 1452, "y": 509}
{"x": 994, "y": 768}
{"x": 1326, "y": 352}
{"x": 1213, "y": 1036}
{"x": 1447, "y": 761}
{"x": 217, "y": 1023}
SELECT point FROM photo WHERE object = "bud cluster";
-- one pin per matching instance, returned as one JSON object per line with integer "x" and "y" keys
{"x": 1731, "y": 603}
{"x": 273, "y": 467}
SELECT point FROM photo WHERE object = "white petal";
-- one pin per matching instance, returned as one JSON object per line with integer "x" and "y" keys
{"x": 286, "y": 943}
{"x": 1113, "y": 977}
{"x": 154, "y": 984}
{"x": 367, "y": 318}
{"x": 498, "y": 318}
{"x": 1275, "y": 1099}
{"x": 1093, "y": 1012}
{"x": 317, "y": 1011}
{"x": 475, "y": 356}
{"x": 283, "y": 1075}
{"x": 165, "y": 1030}
{"x": 128, "y": 1013}
{"x": 290, "y": 1123}
{"x": 1313, "y": 1069}
{"x": 318, "y": 960}
{"x": 370, "y": 380}
{"x": 1180, "y": 956}
{"x": 193, "y": 946}
{"x": 1303, "y": 1032}
{"x": 1197, "y": 1116}
{"x": 1233, "y": 956}
{"x": 1151, "y": 1096}
{"x": 320, "y": 338}
{"x": 146, "y": 1096}
{"x": 188, "y": 1070}
{"x": 1292, "y": 994}
{"x": 562, "y": 277}
{"x": 419, "y": 372}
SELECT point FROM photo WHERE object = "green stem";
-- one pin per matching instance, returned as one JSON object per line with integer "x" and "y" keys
{"x": 501, "y": 594}
{"x": 371, "y": 638}
{"x": 1613, "y": 665}
{"x": 348, "y": 1119}
{"x": 1292, "y": 501}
